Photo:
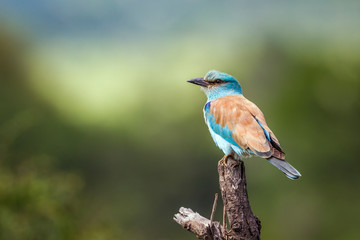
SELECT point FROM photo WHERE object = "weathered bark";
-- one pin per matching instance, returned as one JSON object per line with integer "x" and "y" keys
{"x": 243, "y": 224}
{"x": 197, "y": 224}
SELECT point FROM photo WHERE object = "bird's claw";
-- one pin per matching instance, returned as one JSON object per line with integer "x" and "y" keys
{"x": 224, "y": 160}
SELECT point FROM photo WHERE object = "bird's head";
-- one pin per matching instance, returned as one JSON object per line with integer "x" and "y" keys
{"x": 217, "y": 84}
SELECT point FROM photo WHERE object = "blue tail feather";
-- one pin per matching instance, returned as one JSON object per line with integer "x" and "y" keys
{"x": 285, "y": 167}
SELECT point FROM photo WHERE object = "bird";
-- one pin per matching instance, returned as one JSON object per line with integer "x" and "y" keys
{"x": 237, "y": 125}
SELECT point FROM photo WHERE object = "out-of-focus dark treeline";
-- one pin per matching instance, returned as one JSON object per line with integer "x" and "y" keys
{"x": 64, "y": 175}
{"x": 39, "y": 199}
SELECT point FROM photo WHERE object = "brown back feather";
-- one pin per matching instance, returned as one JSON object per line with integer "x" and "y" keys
{"x": 242, "y": 116}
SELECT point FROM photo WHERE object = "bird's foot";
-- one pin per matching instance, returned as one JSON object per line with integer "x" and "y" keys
{"x": 224, "y": 159}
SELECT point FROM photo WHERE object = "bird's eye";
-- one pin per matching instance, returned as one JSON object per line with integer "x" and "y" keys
{"x": 218, "y": 81}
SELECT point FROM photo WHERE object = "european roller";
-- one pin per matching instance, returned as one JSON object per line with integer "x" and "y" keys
{"x": 237, "y": 125}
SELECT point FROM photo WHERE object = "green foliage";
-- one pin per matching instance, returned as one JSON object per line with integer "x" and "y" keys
{"x": 39, "y": 202}
{"x": 36, "y": 202}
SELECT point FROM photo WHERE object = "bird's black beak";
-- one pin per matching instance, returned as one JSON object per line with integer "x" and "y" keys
{"x": 199, "y": 81}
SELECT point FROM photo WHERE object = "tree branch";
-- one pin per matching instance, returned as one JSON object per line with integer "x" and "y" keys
{"x": 195, "y": 223}
{"x": 232, "y": 179}
{"x": 244, "y": 225}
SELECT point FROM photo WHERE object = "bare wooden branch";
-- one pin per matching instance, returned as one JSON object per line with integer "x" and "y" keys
{"x": 195, "y": 223}
{"x": 214, "y": 208}
{"x": 244, "y": 225}
{"x": 224, "y": 219}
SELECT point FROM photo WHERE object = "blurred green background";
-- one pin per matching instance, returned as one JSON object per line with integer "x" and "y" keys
{"x": 102, "y": 138}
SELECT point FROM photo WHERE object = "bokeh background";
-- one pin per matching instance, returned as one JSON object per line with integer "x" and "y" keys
{"x": 102, "y": 138}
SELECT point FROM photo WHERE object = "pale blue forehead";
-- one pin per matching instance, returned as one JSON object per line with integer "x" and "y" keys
{"x": 213, "y": 75}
